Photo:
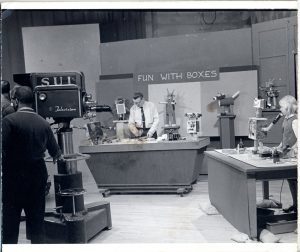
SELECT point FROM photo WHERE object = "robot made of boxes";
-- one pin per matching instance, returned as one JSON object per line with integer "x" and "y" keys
{"x": 170, "y": 108}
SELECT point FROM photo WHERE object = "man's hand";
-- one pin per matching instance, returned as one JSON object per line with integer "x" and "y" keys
{"x": 59, "y": 159}
{"x": 268, "y": 128}
{"x": 278, "y": 148}
{"x": 149, "y": 135}
{"x": 133, "y": 130}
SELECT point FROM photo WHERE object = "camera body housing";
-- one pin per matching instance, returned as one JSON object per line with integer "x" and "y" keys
{"x": 63, "y": 101}
{"x": 57, "y": 94}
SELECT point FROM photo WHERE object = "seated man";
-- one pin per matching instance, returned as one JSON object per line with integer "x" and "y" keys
{"x": 143, "y": 118}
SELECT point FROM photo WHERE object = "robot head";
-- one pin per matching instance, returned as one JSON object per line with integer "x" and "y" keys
{"x": 170, "y": 96}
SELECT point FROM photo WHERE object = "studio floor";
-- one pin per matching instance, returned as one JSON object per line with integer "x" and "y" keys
{"x": 166, "y": 218}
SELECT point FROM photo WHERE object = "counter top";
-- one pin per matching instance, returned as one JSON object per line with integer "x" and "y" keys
{"x": 271, "y": 110}
{"x": 250, "y": 162}
{"x": 136, "y": 145}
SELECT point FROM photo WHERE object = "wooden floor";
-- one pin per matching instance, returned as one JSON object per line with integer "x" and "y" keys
{"x": 166, "y": 218}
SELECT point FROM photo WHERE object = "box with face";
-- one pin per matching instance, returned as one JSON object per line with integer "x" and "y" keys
{"x": 255, "y": 125}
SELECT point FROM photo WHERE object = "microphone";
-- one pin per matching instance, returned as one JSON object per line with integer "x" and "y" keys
{"x": 276, "y": 119}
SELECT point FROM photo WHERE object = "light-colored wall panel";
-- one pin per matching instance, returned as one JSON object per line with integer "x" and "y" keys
{"x": 229, "y": 83}
{"x": 187, "y": 96}
{"x": 65, "y": 48}
{"x": 197, "y": 97}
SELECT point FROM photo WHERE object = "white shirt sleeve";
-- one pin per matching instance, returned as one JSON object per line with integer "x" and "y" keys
{"x": 135, "y": 117}
{"x": 155, "y": 120}
{"x": 295, "y": 127}
{"x": 131, "y": 117}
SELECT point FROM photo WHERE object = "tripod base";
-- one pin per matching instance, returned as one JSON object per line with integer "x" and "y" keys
{"x": 81, "y": 228}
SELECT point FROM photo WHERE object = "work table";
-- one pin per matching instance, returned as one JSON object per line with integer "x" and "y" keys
{"x": 252, "y": 162}
{"x": 146, "y": 166}
{"x": 138, "y": 145}
{"x": 232, "y": 184}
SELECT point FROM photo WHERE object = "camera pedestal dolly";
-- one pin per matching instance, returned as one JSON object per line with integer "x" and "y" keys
{"x": 72, "y": 221}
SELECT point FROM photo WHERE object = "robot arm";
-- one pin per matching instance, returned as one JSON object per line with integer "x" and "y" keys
{"x": 219, "y": 96}
{"x": 225, "y": 103}
{"x": 270, "y": 126}
{"x": 235, "y": 95}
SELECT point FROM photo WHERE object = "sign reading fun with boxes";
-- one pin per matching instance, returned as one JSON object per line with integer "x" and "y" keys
{"x": 177, "y": 76}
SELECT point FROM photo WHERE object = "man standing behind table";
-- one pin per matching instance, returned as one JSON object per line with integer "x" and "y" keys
{"x": 143, "y": 119}
{"x": 25, "y": 138}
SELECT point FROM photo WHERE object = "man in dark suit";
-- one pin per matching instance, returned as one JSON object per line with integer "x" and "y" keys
{"x": 25, "y": 138}
{"x": 5, "y": 99}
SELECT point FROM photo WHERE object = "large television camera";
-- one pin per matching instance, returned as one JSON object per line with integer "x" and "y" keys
{"x": 60, "y": 95}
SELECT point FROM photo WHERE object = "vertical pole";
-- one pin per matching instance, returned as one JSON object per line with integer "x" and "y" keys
{"x": 226, "y": 129}
{"x": 68, "y": 177}
{"x": 73, "y": 202}
{"x": 265, "y": 189}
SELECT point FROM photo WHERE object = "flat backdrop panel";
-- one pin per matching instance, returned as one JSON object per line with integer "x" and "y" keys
{"x": 187, "y": 96}
{"x": 197, "y": 97}
{"x": 203, "y": 50}
{"x": 184, "y": 52}
{"x": 229, "y": 83}
{"x": 107, "y": 92}
{"x": 65, "y": 48}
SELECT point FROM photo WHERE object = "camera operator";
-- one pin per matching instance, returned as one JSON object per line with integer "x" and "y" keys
{"x": 5, "y": 99}
{"x": 25, "y": 138}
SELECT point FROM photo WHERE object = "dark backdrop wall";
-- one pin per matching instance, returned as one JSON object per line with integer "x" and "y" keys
{"x": 117, "y": 25}
{"x": 169, "y": 23}
{"x": 210, "y": 50}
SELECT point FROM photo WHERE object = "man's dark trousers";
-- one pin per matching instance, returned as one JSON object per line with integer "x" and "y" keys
{"x": 24, "y": 188}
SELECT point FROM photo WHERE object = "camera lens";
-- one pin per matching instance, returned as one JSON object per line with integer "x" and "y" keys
{"x": 42, "y": 96}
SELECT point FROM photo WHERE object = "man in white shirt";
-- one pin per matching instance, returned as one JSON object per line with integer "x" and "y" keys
{"x": 143, "y": 118}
